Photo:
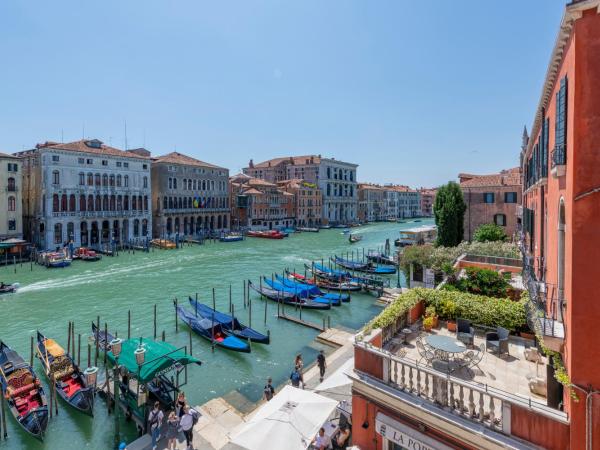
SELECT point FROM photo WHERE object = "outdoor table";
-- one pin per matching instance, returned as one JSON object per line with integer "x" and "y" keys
{"x": 445, "y": 346}
{"x": 330, "y": 430}
{"x": 405, "y": 332}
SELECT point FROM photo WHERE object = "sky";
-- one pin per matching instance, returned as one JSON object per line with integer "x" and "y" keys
{"x": 412, "y": 91}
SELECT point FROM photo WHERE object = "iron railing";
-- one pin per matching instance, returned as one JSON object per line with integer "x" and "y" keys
{"x": 559, "y": 155}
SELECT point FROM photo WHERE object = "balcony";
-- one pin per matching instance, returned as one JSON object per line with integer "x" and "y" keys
{"x": 559, "y": 161}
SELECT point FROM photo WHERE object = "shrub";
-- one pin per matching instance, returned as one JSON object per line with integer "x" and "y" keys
{"x": 404, "y": 303}
{"x": 430, "y": 311}
{"x": 428, "y": 322}
{"x": 483, "y": 282}
{"x": 489, "y": 232}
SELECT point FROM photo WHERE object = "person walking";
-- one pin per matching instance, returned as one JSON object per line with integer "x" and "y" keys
{"x": 155, "y": 419}
{"x": 172, "y": 430}
{"x": 299, "y": 366}
{"x": 181, "y": 401}
{"x": 187, "y": 422}
{"x": 296, "y": 378}
{"x": 322, "y": 365}
{"x": 268, "y": 391}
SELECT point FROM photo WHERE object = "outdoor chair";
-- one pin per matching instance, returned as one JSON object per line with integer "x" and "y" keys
{"x": 497, "y": 341}
{"x": 465, "y": 333}
{"x": 424, "y": 353}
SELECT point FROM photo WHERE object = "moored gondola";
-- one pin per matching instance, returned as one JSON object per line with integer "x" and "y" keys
{"x": 302, "y": 293}
{"x": 61, "y": 369}
{"x": 367, "y": 267}
{"x": 230, "y": 324}
{"x": 23, "y": 391}
{"x": 287, "y": 298}
{"x": 212, "y": 331}
{"x": 324, "y": 283}
{"x": 313, "y": 290}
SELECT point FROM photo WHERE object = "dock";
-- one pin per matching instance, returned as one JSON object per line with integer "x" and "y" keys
{"x": 299, "y": 321}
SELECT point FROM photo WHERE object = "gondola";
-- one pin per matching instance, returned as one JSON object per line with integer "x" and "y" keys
{"x": 287, "y": 298}
{"x": 314, "y": 291}
{"x": 354, "y": 238}
{"x": 381, "y": 258}
{"x": 24, "y": 392}
{"x": 326, "y": 284}
{"x": 325, "y": 272}
{"x": 230, "y": 324}
{"x": 160, "y": 389}
{"x": 212, "y": 331}
{"x": 364, "y": 267}
{"x": 69, "y": 381}
{"x": 302, "y": 292}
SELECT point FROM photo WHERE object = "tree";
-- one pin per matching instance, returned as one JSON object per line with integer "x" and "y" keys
{"x": 449, "y": 210}
{"x": 489, "y": 232}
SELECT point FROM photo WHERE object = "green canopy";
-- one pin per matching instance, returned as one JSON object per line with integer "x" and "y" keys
{"x": 160, "y": 357}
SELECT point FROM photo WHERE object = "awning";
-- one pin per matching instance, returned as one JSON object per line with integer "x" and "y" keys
{"x": 160, "y": 357}
{"x": 289, "y": 421}
{"x": 405, "y": 436}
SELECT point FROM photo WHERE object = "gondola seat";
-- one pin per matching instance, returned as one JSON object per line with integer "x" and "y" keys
{"x": 12, "y": 392}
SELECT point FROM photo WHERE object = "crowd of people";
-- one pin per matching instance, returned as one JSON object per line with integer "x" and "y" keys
{"x": 180, "y": 420}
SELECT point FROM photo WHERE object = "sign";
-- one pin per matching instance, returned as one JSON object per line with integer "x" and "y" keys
{"x": 429, "y": 278}
{"x": 405, "y": 436}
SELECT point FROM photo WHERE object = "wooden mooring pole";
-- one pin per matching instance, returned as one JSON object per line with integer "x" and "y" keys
{"x": 79, "y": 349}
{"x": 176, "y": 322}
{"x": 155, "y": 321}
{"x": 3, "y": 418}
{"x": 97, "y": 341}
{"x": 129, "y": 324}
{"x": 31, "y": 354}
{"x": 69, "y": 338}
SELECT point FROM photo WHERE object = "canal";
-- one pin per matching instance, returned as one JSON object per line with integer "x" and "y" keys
{"x": 49, "y": 298}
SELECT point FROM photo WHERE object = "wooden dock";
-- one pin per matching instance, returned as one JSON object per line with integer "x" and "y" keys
{"x": 299, "y": 321}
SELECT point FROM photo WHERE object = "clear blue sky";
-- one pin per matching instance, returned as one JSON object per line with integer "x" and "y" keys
{"x": 413, "y": 91}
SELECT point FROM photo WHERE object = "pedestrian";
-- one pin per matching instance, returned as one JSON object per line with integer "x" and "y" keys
{"x": 181, "y": 401}
{"x": 187, "y": 422}
{"x": 155, "y": 419}
{"x": 296, "y": 378}
{"x": 299, "y": 366}
{"x": 320, "y": 441}
{"x": 172, "y": 430}
{"x": 122, "y": 446}
{"x": 268, "y": 391}
{"x": 322, "y": 364}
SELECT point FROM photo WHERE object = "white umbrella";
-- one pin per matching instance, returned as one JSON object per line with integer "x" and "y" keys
{"x": 289, "y": 421}
{"x": 337, "y": 379}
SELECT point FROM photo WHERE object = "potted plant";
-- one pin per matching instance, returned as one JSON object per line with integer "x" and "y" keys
{"x": 428, "y": 323}
{"x": 431, "y": 312}
{"x": 449, "y": 312}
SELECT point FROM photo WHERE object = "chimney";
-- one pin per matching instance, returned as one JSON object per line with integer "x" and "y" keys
{"x": 251, "y": 164}
{"x": 462, "y": 177}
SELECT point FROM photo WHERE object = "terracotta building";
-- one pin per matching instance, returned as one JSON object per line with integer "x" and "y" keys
{"x": 189, "y": 196}
{"x": 491, "y": 199}
{"x": 308, "y": 201}
{"x": 427, "y": 201}
{"x": 561, "y": 213}
{"x": 259, "y": 205}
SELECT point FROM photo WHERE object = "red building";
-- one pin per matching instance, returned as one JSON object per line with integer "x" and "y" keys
{"x": 561, "y": 213}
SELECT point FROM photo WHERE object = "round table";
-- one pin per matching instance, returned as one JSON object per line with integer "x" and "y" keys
{"x": 445, "y": 345}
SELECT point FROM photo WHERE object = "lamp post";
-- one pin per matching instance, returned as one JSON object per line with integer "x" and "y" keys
{"x": 116, "y": 350}
{"x": 91, "y": 376}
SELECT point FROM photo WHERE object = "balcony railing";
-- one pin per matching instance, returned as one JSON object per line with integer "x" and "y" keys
{"x": 493, "y": 260}
{"x": 559, "y": 156}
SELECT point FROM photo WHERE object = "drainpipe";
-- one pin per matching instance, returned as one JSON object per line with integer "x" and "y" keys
{"x": 589, "y": 393}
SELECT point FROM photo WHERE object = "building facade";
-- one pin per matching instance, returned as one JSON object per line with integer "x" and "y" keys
{"x": 409, "y": 201}
{"x": 85, "y": 192}
{"x": 427, "y": 201}
{"x": 491, "y": 199}
{"x": 336, "y": 179}
{"x": 257, "y": 204}
{"x": 308, "y": 201}
{"x": 11, "y": 218}
{"x": 189, "y": 196}
{"x": 391, "y": 198}
{"x": 372, "y": 204}
{"x": 561, "y": 214}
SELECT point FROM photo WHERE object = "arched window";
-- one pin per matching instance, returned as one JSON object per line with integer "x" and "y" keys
{"x": 58, "y": 233}
{"x": 145, "y": 182}
{"x": 174, "y": 183}
{"x": 133, "y": 202}
{"x": 90, "y": 179}
{"x": 203, "y": 185}
{"x": 55, "y": 177}
{"x": 81, "y": 178}
{"x": 12, "y": 187}
{"x": 165, "y": 203}
{"x": 119, "y": 180}
{"x": 72, "y": 203}
{"x": 126, "y": 181}
{"x": 170, "y": 202}
{"x": 112, "y": 180}
{"x": 105, "y": 203}
{"x": 195, "y": 185}
{"x": 63, "y": 203}
{"x": 119, "y": 203}
{"x": 144, "y": 227}
{"x": 105, "y": 180}
{"x": 500, "y": 219}
{"x": 55, "y": 203}
{"x": 184, "y": 184}
{"x": 140, "y": 203}
{"x": 136, "y": 227}
{"x": 180, "y": 203}
{"x": 82, "y": 203}
{"x": 12, "y": 203}
{"x": 112, "y": 202}
{"x": 98, "y": 203}
{"x": 185, "y": 203}
{"x": 126, "y": 203}
{"x": 90, "y": 203}
{"x": 145, "y": 203}
{"x": 70, "y": 231}
{"x": 97, "y": 179}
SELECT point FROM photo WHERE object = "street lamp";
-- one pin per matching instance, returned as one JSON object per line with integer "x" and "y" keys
{"x": 91, "y": 376}
{"x": 116, "y": 350}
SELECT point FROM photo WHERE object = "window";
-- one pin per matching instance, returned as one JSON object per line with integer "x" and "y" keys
{"x": 89, "y": 161}
{"x": 184, "y": 184}
{"x": 105, "y": 180}
{"x": 126, "y": 181}
{"x": 55, "y": 158}
{"x": 97, "y": 179}
{"x": 55, "y": 203}
{"x": 174, "y": 183}
{"x": 170, "y": 183}
{"x": 72, "y": 205}
{"x": 145, "y": 166}
{"x": 55, "y": 177}
{"x": 119, "y": 180}
{"x": 105, "y": 162}
{"x": 145, "y": 182}
{"x": 559, "y": 156}
{"x": 12, "y": 203}
{"x": 63, "y": 203}
{"x": 500, "y": 219}
{"x": 81, "y": 178}
{"x": 488, "y": 197}
{"x": 11, "y": 187}
{"x": 12, "y": 225}
{"x": 58, "y": 233}
{"x": 112, "y": 180}
{"x": 125, "y": 164}
{"x": 13, "y": 167}
{"x": 82, "y": 204}
{"x": 119, "y": 164}
{"x": 81, "y": 160}
{"x": 510, "y": 197}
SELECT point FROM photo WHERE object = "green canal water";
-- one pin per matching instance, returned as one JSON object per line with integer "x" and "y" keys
{"x": 49, "y": 298}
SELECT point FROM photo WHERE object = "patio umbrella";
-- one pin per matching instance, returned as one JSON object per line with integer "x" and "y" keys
{"x": 289, "y": 421}
{"x": 338, "y": 380}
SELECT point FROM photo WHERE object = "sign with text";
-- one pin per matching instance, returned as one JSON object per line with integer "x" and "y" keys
{"x": 405, "y": 436}
{"x": 429, "y": 278}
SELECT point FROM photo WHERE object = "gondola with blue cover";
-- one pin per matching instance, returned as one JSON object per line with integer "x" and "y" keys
{"x": 230, "y": 324}
{"x": 212, "y": 331}
{"x": 302, "y": 293}
{"x": 287, "y": 298}
{"x": 364, "y": 267}
{"x": 313, "y": 290}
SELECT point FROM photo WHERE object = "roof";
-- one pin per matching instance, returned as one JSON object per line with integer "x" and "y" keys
{"x": 159, "y": 357}
{"x": 184, "y": 160}
{"x": 252, "y": 191}
{"x": 295, "y": 160}
{"x": 7, "y": 156}
{"x": 93, "y": 146}
{"x": 510, "y": 177}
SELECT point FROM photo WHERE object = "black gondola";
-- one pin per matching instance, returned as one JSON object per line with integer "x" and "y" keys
{"x": 69, "y": 381}
{"x": 23, "y": 392}
{"x": 287, "y": 298}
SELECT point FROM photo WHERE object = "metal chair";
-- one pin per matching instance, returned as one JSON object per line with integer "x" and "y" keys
{"x": 424, "y": 353}
{"x": 465, "y": 333}
{"x": 497, "y": 341}
{"x": 478, "y": 356}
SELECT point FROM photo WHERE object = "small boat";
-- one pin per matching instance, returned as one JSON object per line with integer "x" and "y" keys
{"x": 382, "y": 258}
{"x": 309, "y": 229}
{"x": 231, "y": 237}
{"x": 326, "y": 284}
{"x": 325, "y": 227}
{"x": 212, "y": 331}
{"x": 69, "y": 381}
{"x": 86, "y": 254}
{"x": 302, "y": 292}
{"x": 230, "y": 324}
{"x": 287, "y": 297}
{"x": 8, "y": 288}
{"x": 341, "y": 225}
{"x": 272, "y": 234}
{"x": 367, "y": 267}
{"x": 57, "y": 259}
{"x": 418, "y": 220}
{"x": 165, "y": 244}
{"x": 346, "y": 231}
{"x": 354, "y": 238}
{"x": 23, "y": 392}
{"x": 314, "y": 291}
